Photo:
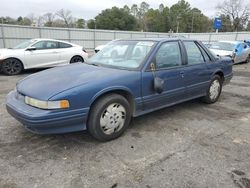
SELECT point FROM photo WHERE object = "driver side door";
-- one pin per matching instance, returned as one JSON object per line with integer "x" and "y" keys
{"x": 169, "y": 68}
{"x": 45, "y": 54}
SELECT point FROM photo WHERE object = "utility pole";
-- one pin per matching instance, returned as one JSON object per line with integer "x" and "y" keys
{"x": 177, "y": 28}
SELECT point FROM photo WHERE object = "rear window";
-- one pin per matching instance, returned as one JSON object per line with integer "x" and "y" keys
{"x": 64, "y": 45}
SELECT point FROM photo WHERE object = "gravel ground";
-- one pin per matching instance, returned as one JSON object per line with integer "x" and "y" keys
{"x": 187, "y": 145}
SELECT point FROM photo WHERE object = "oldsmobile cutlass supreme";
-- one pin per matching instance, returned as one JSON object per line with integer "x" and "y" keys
{"x": 128, "y": 78}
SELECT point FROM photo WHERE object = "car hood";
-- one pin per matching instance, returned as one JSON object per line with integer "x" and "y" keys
{"x": 221, "y": 52}
{"x": 48, "y": 83}
{"x": 5, "y": 52}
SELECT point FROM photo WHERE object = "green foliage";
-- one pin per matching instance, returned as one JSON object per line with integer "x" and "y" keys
{"x": 115, "y": 19}
{"x": 80, "y": 23}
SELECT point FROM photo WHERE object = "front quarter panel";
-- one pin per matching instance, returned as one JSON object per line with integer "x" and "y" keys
{"x": 83, "y": 96}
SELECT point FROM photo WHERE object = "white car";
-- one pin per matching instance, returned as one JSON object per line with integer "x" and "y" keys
{"x": 238, "y": 51}
{"x": 40, "y": 53}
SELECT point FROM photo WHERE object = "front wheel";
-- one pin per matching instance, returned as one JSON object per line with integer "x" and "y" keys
{"x": 12, "y": 66}
{"x": 214, "y": 90}
{"x": 109, "y": 117}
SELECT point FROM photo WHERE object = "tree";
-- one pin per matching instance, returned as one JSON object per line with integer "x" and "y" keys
{"x": 126, "y": 8}
{"x": 66, "y": 16}
{"x": 134, "y": 10}
{"x": 91, "y": 24}
{"x": 48, "y": 19}
{"x": 237, "y": 11}
{"x": 115, "y": 19}
{"x": 161, "y": 7}
{"x": 80, "y": 23}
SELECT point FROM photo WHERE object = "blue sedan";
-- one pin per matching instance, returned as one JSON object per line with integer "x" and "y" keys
{"x": 126, "y": 79}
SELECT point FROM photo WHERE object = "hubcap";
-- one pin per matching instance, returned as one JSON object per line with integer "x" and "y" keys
{"x": 214, "y": 89}
{"x": 12, "y": 66}
{"x": 77, "y": 59}
{"x": 113, "y": 118}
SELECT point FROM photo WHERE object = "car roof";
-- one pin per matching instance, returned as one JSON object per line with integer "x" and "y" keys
{"x": 230, "y": 41}
{"x": 42, "y": 39}
{"x": 157, "y": 39}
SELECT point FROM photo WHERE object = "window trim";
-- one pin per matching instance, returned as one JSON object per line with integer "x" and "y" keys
{"x": 57, "y": 46}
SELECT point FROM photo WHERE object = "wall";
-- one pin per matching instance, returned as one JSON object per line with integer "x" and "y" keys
{"x": 11, "y": 35}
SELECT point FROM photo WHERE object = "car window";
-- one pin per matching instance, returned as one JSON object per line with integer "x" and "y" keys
{"x": 205, "y": 55}
{"x": 123, "y": 54}
{"x": 42, "y": 45}
{"x": 64, "y": 45}
{"x": 168, "y": 55}
{"x": 193, "y": 53}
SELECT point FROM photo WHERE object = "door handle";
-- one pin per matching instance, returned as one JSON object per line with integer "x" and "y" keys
{"x": 182, "y": 74}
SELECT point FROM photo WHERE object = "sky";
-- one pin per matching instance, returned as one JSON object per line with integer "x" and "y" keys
{"x": 88, "y": 9}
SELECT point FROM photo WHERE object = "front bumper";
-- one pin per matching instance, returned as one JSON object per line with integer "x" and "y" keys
{"x": 46, "y": 121}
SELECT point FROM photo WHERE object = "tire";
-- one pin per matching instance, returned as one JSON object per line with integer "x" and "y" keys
{"x": 12, "y": 66}
{"x": 109, "y": 117}
{"x": 214, "y": 90}
{"x": 76, "y": 59}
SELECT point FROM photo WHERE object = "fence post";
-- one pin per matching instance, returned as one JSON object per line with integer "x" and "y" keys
{"x": 3, "y": 36}
{"x": 40, "y": 32}
{"x": 94, "y": 38}
{"x": 209, "y": 40}
{"x": 69, "y": 35}
{"x": 236, "y": 35}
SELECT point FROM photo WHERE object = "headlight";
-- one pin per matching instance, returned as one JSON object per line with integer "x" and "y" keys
{"x": 62, "y": 104}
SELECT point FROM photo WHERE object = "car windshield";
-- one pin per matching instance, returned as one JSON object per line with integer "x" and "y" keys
{"x": 123, "y": 54}
{"x": 223, "y": 46}
{"x": 24, "y": 44}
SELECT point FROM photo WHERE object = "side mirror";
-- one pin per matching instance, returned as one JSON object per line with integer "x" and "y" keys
{"x": 32, "y": 48}
{"x": 158, "y": 82}
{"x": 236, "y": 50}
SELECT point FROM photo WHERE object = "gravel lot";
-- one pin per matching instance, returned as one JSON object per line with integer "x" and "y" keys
{"x": 188, "y": 145}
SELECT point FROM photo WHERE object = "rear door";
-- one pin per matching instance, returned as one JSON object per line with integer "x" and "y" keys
{"x": 45, "y": 55}
{"x": 198, "y": 74}
{"x": 169, "y": 67}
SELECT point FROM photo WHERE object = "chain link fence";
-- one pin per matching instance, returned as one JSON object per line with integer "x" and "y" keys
{"x": 11, "y": 35}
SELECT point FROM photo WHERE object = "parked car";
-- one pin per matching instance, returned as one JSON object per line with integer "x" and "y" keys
{"x": 247, "y": 42}
{"x": 103, "y": 94}
{"x": 239, "y": 51}
{"x": 40, "y": 53}
{"x": 100, "y": 47}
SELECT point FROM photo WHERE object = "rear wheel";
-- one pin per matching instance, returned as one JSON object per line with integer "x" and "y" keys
{"x": 109, "y": 117}
{"x": 76, "y": 59}
{"x": 214, "y": 90}
{"x": 12, "y": 66}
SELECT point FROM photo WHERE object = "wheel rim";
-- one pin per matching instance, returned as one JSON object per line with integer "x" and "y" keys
{"x": 113, "y": 118}
{"x": 77, "y": 59}
{"x": 214, "y": 89}
{"x": 12, "y": 66}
